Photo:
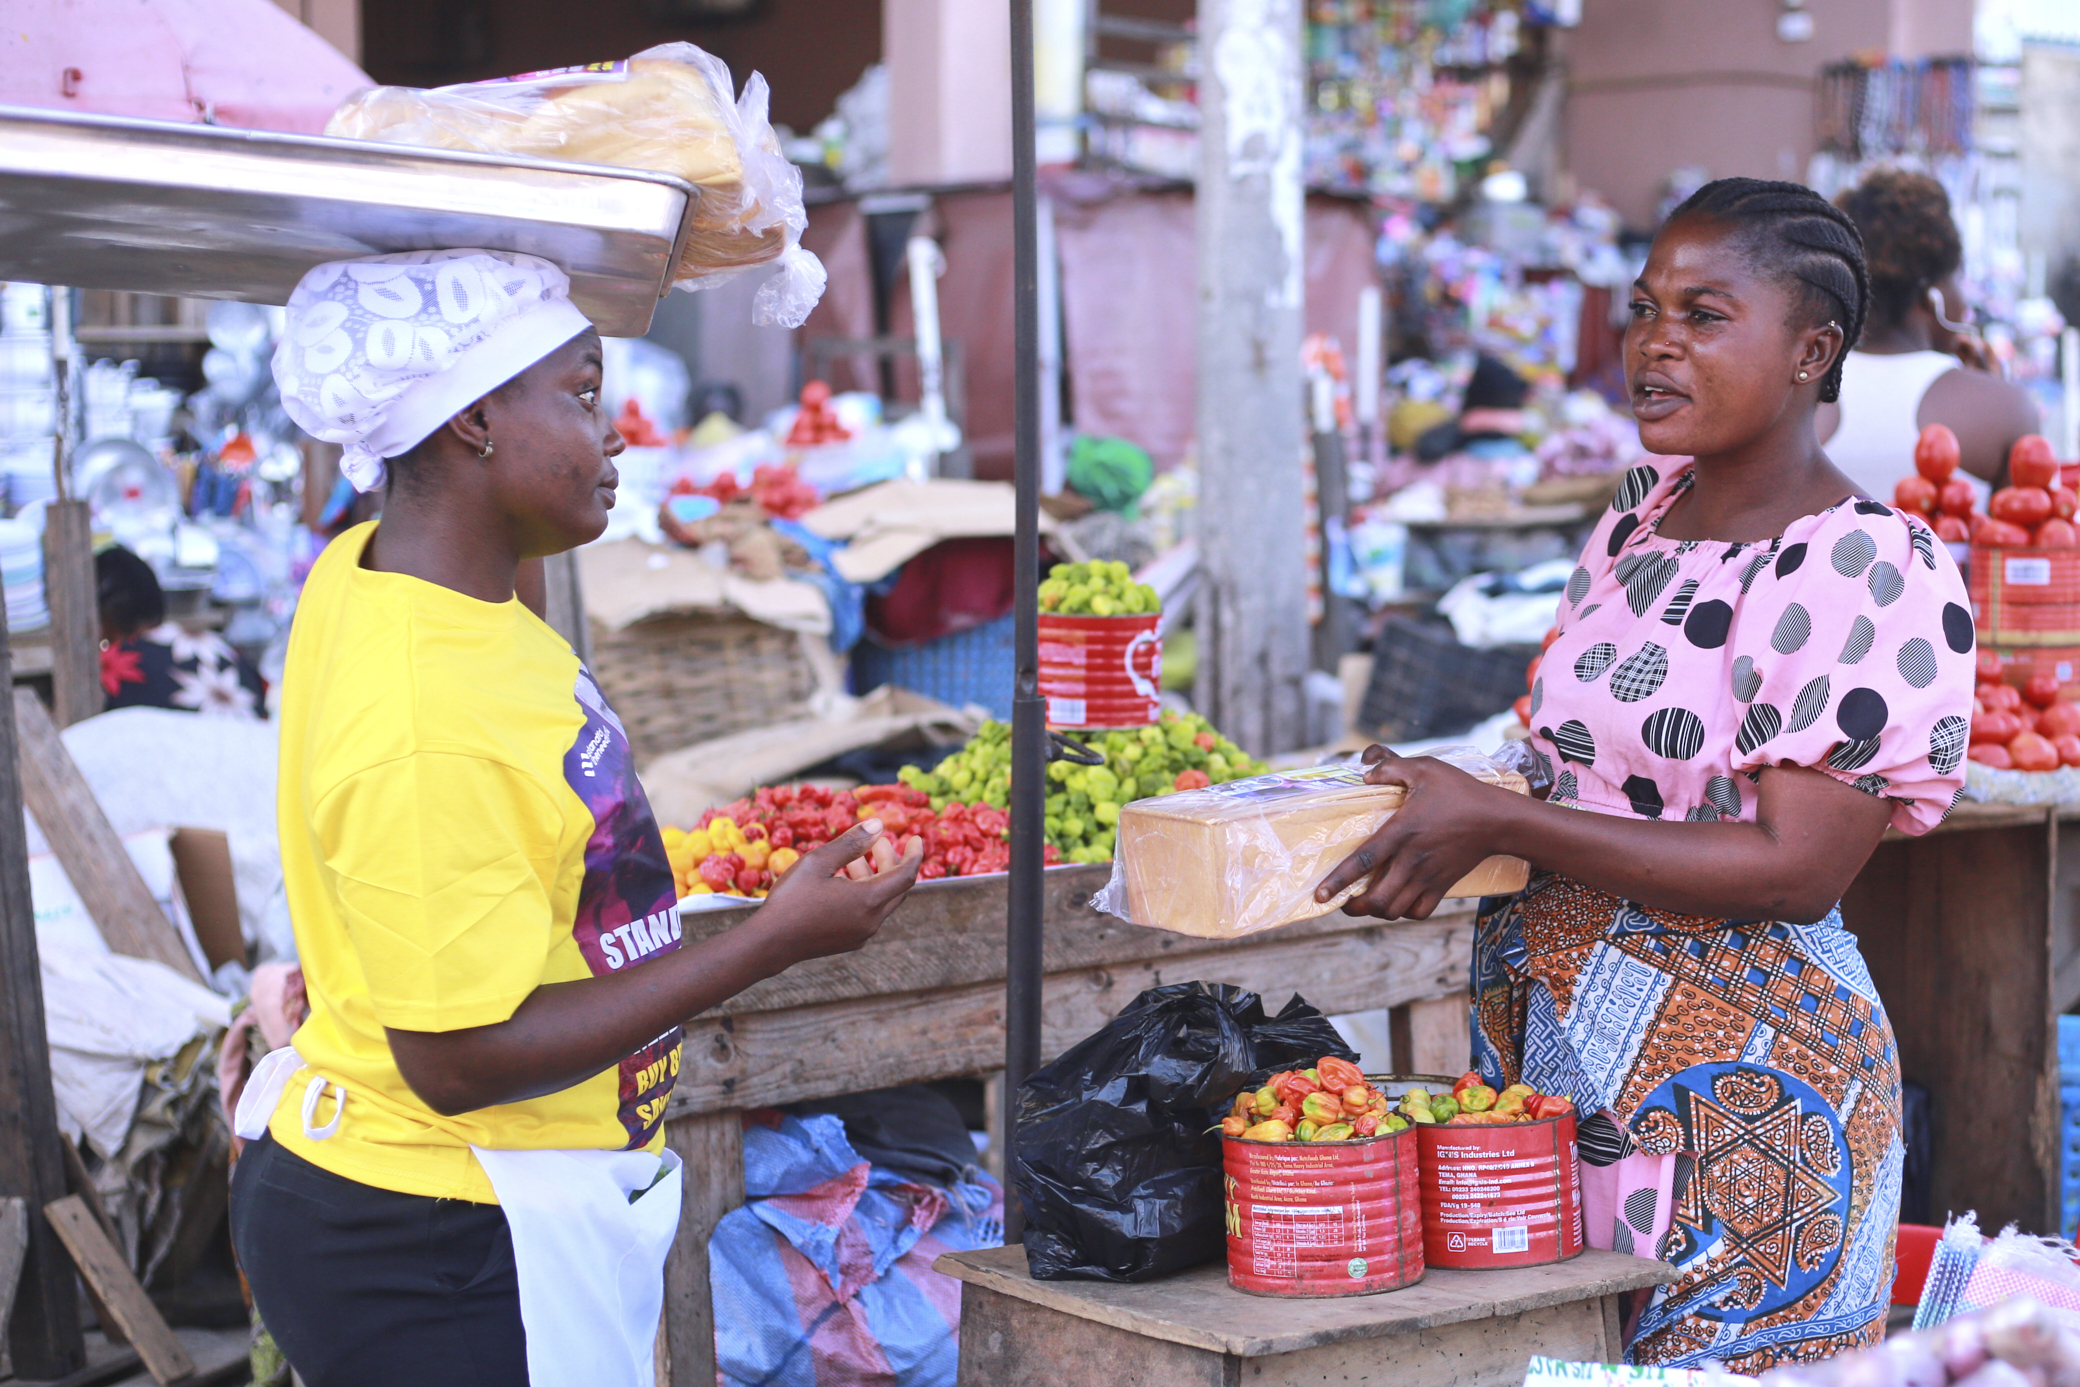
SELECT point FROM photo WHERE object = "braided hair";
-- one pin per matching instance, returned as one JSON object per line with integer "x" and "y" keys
{"x": 1794, "y": 233}
{"x": 1908, "y": 236}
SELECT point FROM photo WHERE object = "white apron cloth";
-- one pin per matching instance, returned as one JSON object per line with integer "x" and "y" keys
{"x": 590, "y": 1234}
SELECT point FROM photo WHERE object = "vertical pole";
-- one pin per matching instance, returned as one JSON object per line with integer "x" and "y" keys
{"x": 1028, "y": 713}
{"x": 44, "y": 1334}
{"x": 68, "y": 549}
{"x": 1253, "y": 633}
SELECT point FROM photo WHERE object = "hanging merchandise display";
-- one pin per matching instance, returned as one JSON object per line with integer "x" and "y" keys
{"x": 1408, "y": 97}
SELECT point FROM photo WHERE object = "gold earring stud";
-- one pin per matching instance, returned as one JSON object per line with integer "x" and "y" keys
{"x": 486, "y": 450}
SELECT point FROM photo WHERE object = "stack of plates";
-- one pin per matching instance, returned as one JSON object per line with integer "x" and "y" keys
{"x": 27, "y": 475}
{"x": 21, "y": 575}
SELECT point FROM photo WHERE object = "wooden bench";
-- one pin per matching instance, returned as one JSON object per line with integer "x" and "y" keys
{"x": 1452, "y": 1329}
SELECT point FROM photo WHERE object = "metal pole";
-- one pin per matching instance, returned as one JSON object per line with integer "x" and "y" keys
{"x": 1028, "y": 713}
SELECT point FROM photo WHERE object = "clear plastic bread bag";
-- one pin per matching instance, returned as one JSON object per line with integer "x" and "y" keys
{"x": 1233, "y": 859}
{"x": 669, "y": 109}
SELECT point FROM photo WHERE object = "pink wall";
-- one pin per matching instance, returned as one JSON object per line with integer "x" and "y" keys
{"x": 1657, "y": 84}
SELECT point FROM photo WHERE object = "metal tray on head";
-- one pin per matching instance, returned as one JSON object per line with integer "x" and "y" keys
{"x": 103, "y": 202}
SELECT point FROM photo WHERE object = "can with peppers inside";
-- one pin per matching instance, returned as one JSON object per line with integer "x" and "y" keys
{"x": 1321, "y": 1188}
{"x": 1501, "y": 1180}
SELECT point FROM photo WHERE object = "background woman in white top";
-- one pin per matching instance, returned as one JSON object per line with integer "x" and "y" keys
{"x": 1917, "y": 363}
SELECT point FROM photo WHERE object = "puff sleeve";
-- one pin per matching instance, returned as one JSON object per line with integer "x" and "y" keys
{"x": 1853, "y": 655}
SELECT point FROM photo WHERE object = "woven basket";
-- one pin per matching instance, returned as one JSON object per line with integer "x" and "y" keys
{"x": 680, "y": 679}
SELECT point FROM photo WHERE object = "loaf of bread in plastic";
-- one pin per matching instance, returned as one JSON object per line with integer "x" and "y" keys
{"x": 1245, "y": 856}
{"x": 665, "y": 114}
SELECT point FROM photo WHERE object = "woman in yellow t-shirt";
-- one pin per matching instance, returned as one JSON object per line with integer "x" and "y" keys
{"x": 456, "y": 1172}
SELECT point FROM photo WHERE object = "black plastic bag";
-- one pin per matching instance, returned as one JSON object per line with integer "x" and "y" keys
{"x": 1117, "y": 1172}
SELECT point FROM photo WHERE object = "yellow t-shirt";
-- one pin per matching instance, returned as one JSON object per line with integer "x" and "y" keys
{"x": 461, "y": 823}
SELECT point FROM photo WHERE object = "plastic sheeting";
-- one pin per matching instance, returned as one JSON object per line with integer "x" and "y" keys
{"x": 824, "y": 1278}
{"x": 109, "y": 1017}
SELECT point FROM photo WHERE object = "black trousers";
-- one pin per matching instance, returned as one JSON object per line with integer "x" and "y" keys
{"x": 364, "y": 1287}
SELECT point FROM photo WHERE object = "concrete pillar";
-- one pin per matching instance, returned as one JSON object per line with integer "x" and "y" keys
{"x": 338, "y": 22}
{"x": 949, "y": 84}
{"x": 1252, "y": 614}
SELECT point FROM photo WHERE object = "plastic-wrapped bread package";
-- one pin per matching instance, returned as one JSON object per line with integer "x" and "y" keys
{"x": 668, "y": 109}
{"x": 1232, "y": 859}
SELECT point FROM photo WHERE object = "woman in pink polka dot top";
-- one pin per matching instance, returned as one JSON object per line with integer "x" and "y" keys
{"x": 1758, "y": 671}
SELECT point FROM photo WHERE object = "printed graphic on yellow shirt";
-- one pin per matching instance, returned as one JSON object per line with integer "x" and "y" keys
{"x": 628, "y": 912}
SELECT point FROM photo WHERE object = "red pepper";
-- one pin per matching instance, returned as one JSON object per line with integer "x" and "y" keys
{"x": 781, "y": 837}
{"x": 1338, "y": 1075}
{"x": 715, "y": 872}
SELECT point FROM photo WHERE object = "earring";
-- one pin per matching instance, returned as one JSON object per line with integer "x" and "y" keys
{"x": 485, "y": 451}
{"x": 1801, "y": 376}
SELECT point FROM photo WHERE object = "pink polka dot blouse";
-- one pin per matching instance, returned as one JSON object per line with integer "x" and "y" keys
{"x": 1684, "y": 667}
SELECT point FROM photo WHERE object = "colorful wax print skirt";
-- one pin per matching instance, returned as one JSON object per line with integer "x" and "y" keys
{"x": 1755, "y": 1054}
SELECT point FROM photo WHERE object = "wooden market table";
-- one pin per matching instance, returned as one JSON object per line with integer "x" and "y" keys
{"x": 1972, "y": 934}
{"x": 1452, "y": 1329}
{"x": 925, "y": 1000}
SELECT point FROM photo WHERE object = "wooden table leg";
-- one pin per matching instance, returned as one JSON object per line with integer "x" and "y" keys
{"x": 712, "y": 1146}
{"x": 1613, "y": 1329}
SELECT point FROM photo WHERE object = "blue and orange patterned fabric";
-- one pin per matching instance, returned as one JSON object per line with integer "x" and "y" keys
{"x": 1758, "y": 1055}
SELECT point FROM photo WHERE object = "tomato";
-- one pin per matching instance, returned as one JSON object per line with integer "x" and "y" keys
{"x": 1998, "y": 534}
{"x": 1552, "y": 634}
{"x": 1956, "y": 497}
{"x": 1522, "y": 708}
{"x": 2001, "y": 698}
{"x": 2027, "y": 716}
{"x": 2068, "y": 747}
{"x": 2040, "y": 689}
{"x": 2064, "y": 502}
{"x": 1952, "y": 530}
{"x": 2056, "y": 534}
{"x": 1916, "y": 494}
{"x": 2030, "y": 752}
{"x": 2031, "y": 462}
{"x": 1997, "y": 728}
{"x": 1531, "y": 671}
{"x": 1935, "y": 453}
{"x": 1992, "y": 754}
{"x": 2020, "y": 505}
{"x": 1988, "y": 668}
{"x": 2061, "y": 719}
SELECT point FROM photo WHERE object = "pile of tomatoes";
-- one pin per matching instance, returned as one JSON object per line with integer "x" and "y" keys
{"x": 2026, "y": 729}
{"x": 2032, "y": 511}
{"x": 777, "y": 488}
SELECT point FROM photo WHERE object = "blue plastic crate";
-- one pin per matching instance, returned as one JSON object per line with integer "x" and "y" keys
{"x": 2069, "y": 1156}
{"x": 972, "y": 666}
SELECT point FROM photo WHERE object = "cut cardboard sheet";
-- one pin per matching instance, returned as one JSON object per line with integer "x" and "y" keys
{"x": 626, "y": 580}
{"x": 886, "y": 526}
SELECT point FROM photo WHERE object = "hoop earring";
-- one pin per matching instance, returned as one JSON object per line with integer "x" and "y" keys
{"x": 486, "y": 450}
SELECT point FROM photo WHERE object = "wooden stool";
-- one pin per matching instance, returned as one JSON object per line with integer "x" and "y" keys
{"x": 1452, "y": 1329}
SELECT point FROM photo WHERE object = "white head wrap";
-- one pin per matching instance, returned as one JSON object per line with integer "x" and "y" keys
{"x": 379, "y": 353}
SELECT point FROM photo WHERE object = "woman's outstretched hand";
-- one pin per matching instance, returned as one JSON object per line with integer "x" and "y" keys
{"x": 813, "y": 911}
{"x": 1446, "y": 828}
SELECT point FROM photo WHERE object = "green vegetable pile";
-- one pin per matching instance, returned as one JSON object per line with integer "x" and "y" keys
{"x": 1098, "y": 588}
{"x": 1179, "y": 752}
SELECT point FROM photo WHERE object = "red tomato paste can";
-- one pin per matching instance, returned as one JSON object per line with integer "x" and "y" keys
{"x": 1501, "y": 1196}
{"x": 2004, "y": 582}
{"x": 1314, "y": 1219}
{"x": 1100, "y": 671}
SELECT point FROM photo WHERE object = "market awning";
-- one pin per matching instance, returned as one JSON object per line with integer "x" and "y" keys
{"x": 242, "y": 63}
